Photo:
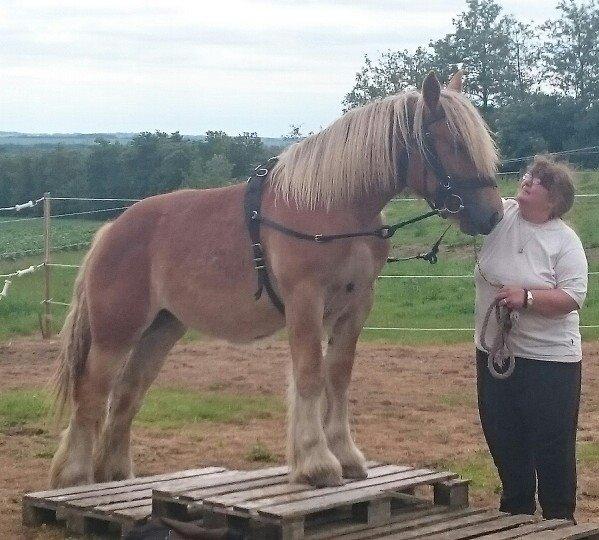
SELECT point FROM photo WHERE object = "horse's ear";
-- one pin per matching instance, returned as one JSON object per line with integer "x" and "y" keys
{"x": 455, "y": 83}
{"x": 431, "y": 90}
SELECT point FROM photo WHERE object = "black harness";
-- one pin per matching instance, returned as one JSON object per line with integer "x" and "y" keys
{"x": 445, "y": 199}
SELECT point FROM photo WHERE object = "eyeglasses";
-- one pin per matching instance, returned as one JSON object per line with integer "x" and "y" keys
{"x": 528, "y": 179}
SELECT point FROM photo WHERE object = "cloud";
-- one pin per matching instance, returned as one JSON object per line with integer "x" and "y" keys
{"x": 69, "y": 61}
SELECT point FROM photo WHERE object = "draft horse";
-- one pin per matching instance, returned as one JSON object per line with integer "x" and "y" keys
{"x": 184, "y": 260}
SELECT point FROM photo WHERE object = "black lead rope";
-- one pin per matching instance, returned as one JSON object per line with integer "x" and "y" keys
{"x": 431, "y": 255}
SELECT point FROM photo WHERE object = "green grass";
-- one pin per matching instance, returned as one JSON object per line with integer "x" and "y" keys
{"x": 458, "y": 399}
{"x": 400, "y": 302}
{"x": 162, "y": 408}
{"x": 260, "y": 453}
{"x": 22, "y": 407}
{"x": 170, "y": 408}
{"x": 588, "y": 452}
{"x": 479, "y": 468}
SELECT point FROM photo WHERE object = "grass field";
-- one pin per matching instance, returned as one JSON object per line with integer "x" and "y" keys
{"x": 400, "y": 302}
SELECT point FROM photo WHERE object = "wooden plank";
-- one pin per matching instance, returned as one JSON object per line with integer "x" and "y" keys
{"x": 51, "y": 493}
{"x": 125, "y": 494}
{"x": 36, "y": 513}
{"x": 128, "y": 493}
{"x": 318, "y": 503}
{"x": 136, "y": 513}
{"x": 38, "y": 509}
{"x": 272, "y": 492}
{"x": 480, "y": 529}
{"x": 200, "y": 494}
{"x": 518, "y": 532}
{"x": 453, "y": 493}
{"x": 447, "y": 525}
{"x": 121, "y": 507}
{"x": 309, "y": 492}
{"x": 148, "y": 483}
{"x": 239, "y": 476}
{"x": 277, "y": 478}
{"x": 400, "y": 523}
{"x": 571, "y": 532}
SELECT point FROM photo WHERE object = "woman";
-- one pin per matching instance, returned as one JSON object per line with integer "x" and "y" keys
{"x": 534, "y": 264}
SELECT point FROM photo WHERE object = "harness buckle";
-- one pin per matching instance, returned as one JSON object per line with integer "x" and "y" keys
{"x": 385, "y": 233}
{"x": 318, "y": 238}
{"x": 254, "y": 216}
{"x": 261, "y": 172}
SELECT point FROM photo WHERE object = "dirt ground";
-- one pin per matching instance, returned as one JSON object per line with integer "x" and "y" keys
{"x": 414, "y": 406}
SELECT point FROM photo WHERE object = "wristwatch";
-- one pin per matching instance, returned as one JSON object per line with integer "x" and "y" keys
{"x": 528, "y": 298}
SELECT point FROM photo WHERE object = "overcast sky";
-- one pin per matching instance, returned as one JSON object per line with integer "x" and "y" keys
{"x": 129, "y": 65}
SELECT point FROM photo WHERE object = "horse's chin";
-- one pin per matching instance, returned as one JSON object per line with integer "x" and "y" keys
{"x": 467, "y": 227}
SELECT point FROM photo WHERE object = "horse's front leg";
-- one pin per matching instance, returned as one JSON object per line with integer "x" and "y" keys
{"x": 339, "y": 363}
{"x": 310, "y": 459}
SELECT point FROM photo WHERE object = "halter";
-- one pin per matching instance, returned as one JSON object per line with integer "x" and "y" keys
{"x": 445, "y": 198}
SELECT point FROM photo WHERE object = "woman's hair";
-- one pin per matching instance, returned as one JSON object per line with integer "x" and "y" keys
{"x": 558, "y": 179}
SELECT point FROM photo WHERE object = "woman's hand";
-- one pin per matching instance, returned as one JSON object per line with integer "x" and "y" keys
{"x": 511, "y": 297}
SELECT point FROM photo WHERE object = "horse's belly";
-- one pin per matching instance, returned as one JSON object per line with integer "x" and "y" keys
{"x": 226, "y": 313}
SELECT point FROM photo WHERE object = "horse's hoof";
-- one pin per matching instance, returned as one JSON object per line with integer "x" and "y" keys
{"x": 320, "y": 477}
{"x": 70, "y": 480}
{"x": 355, "y": 471}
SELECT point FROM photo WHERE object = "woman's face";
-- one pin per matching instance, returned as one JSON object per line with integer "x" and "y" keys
{"x": 534, "y": 195}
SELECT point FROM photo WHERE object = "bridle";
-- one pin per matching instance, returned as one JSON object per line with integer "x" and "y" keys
{"x": 444, "y": 200}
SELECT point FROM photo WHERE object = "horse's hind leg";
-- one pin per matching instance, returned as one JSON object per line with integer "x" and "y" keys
{"x": 310, "y": 458}
{"x": 72, "y": 463}
{"x": 339, "y": 362}
{"x": 113, "y": 459}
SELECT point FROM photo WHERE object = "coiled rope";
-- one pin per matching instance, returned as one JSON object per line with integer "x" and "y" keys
{"x": 500, "y": 364}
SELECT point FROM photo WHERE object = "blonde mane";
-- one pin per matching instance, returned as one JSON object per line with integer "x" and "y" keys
{"x": 358, "y": 153}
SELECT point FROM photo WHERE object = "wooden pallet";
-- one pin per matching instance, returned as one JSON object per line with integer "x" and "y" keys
{"x": 110, "y": 508}
{"x": 262, "y": 504}
{"x": 485, "y": 524}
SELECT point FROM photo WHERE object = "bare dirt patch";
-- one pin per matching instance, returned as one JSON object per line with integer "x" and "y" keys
{"x": 414, "y": 406}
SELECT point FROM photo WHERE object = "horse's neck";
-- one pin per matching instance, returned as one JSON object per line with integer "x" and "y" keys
{"x": 374, "y": 202}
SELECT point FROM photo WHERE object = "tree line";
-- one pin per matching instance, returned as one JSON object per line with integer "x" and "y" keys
{"x": 536, "y": 85}
{"x": 151, "y": 163}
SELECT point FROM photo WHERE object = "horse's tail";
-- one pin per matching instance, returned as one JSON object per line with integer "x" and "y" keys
{"x": 75, "y": 340}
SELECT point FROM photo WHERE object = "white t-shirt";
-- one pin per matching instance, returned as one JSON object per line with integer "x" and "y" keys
{"x": 532, "y": 256}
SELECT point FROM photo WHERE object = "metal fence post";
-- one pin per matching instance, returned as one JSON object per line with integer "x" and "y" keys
{"x": 47, "y": 317}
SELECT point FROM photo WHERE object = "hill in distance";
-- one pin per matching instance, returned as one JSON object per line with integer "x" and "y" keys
{"x": 13, "y": 138}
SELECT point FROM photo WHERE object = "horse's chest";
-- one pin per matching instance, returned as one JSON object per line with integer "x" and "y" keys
{"x": 354, "y": 279}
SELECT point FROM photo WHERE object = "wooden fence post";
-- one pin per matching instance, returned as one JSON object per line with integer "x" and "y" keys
{"x": 47, "y": 317}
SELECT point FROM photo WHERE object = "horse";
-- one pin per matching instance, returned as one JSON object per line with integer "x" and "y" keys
{"x": 185, "y": 260}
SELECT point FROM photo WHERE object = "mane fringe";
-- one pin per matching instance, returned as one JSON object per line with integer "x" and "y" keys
{"x": 358, "y": 153}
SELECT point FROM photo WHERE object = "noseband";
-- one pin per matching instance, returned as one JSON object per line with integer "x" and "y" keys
{"x": 445, "y": 198}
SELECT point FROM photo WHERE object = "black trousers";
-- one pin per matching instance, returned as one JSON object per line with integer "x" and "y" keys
{"x": 529, "y": 421}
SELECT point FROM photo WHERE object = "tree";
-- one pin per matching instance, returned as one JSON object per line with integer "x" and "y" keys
{"x": 394, "y": 72}
{"x": 538, "y": 123}
{"x": 483, "y": 43}
{"x": 104, "y": 169}
{"x": 498, "y": 53}
{"x": 217, "y": 171}
{"x": 571, "y": 50}
{"x": 525, "y": 58}
{"x": 245, "y": 152}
